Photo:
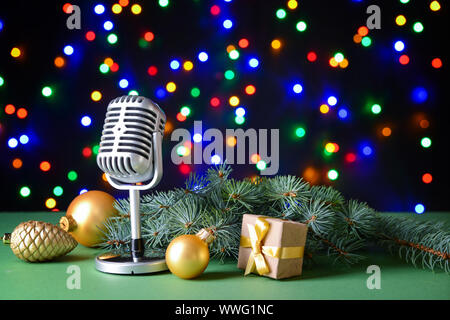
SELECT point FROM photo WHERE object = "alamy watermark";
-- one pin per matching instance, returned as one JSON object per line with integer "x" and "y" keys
{"x": 374, "y": 281}
{"x": 74, "y": 280}
{"x": 246, "y": 144}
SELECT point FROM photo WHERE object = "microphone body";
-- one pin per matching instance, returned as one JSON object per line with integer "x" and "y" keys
{"x": 130, "y": 153}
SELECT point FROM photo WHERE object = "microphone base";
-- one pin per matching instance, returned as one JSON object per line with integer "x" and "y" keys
{"x": 126, "y": 265}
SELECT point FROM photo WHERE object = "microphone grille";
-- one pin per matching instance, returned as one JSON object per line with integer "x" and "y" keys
{"x": 126, "y": 146}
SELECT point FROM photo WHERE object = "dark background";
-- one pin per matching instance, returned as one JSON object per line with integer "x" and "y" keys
{"x": 389, "y": 180}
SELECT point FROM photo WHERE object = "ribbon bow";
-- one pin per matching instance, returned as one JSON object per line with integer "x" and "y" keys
{"x": 256, "y": 260}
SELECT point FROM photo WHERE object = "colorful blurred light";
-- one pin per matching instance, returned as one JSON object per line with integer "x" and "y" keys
{"x": 13, "y": 143}
{"x": 427, "y": 178}
{"x": 300, "y": 132}
{"x": 58, "y": 191}
{"x": 399, "y": 46}
{"x": 136, "y": 9}
{"x": 418, "y": 27}
{"x": 47, "y": 91}
{"x": 233, "y": 101}
{"x": 311, "y": 56}
{"x": 25, "y": 192}
{"x": 215, "y": 159}
{"x": 24, "y": 139}
{"x": 45, "y": 166}
{"x": 376, "y": 108}
{"x": 240, "y": 112}
{"x": 174, "y": 64}
{"x": 90, "y": 36}
{"x": 435, "y": 63}
{"x": 227, "y": 24}
{"x": 233, "y": 54}
{"x": 214, "y": 102}
{"x": 203, "y": 56}
{"x": 366, "y": 41}
{"x": 50, "y": 203}
{"x": 261, "y": 165}
{"x": 108, "y": 25}
{"x": 435, "y": 6}
{"x": 332, "y": 174}
{"x": 197, "y": 137}
{"x": 253, "y": 62}
{"x": 425, "y": 142}
{"x": 301, "y": 26}
{"x": 419, "y": 208}
{"x": 123, "y": 83}
{"x": 152, "y": 70}
{"x": 400, "y": 20}
{"x": 86, "y": 121}
{"x": 112, "y": 38}
{"x": 332, "y": 100}
{"x": 281, "y": 13}
{"x": 343, "y": 113}
{"x": 250, "y": 89}
{"x": 72, "y": 175}
{"x": 96, "y": 96}
{"x": 99, "y": 9}
{"x": 419, "y": 95}
{"x": 15, "y": 52}
{"x": 276, "y": 44}
{"x": 404, "y": 59}
{"x": 297, "y": 88}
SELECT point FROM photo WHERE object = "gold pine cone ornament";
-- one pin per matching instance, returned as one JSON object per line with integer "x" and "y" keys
{"x": 37, "y": 241}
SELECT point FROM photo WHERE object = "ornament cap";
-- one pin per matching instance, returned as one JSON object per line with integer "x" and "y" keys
{"x": 68, "y": 224}
{"x": 7, "y": 238}
{"x": 206, "y": 234}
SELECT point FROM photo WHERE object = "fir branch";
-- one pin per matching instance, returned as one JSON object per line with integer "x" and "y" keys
{"x": 327, "y": 194}
{"x": 286, "y": 190}
{"x": 357, "y": 219}
{"x": 317, "y": 215}
{"x": 416, "y": 242}
{"x": 241, "y": 194}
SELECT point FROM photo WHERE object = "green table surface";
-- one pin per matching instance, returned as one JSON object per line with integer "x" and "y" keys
{"x": 22, "y": 280}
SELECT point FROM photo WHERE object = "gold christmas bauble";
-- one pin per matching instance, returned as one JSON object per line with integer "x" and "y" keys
{"x": 187, "y": 256}
{"x": 36, "y": 241}
{"x": 86, "y": 215}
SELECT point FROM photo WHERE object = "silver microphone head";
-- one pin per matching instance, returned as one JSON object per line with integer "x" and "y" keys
{"x": 127, "y": 144}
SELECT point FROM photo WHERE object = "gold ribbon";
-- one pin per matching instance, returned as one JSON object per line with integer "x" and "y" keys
{"x": 256, "y": 260}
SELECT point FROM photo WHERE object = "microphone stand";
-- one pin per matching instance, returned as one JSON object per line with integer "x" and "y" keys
{"x": 137, "y": 243}
{"x": 138, "y": 263}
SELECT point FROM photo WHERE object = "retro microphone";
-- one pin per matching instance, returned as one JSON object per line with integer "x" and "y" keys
{"x": 130, "y": 155}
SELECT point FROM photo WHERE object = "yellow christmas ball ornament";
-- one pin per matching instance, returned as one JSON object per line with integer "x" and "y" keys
{"x": 86, "y": 215}
{"x": 187, "y": 256}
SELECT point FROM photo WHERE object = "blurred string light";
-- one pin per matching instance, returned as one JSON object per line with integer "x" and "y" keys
{"x": 90, "y": 36}
{"x": 427, "y": 178}
{"x": 68, "y": 50}
{"x": 112, "y": 38}
{"x": 240, "y": 112}
{"x": 404, "y": 59}
{"x": 418, "y": 27}
{"x": 419, "y": 208}
{"x": 333, "y": 174}
{"x": 280, "y": 13}
{"x": 188, "y": 65}
{"x": 86, "y": 121}
{"x": 400, "y": 20}
{"x": 13, "y": 143}
{"x": 22, "y": 113}
{"x": 366, "y": 41}
{"x": 2, "y": 81}
{"x": 25, "y": 191}
{"x": 250, "y": 89}
{"x": 96, "y": 96}
{"x": 434, "y": 6}
{"x": 203, "y": 56}
{"x": 261, "y": 165}
{"x": 171, "y": 87}
{"x": 47, "y": 91}
{"x": 253, "y": 62}
{"x": 136, "y": 9}
{"x": 17, "y": 163}
{"x": 332, "y": 100}
{"x": 324, "y": 108}
{"x": 58, "y": 191}
{"x": 99, "y": 9}
{"x": 276, "y": 44}
{"x": 133, "y": 93}
{"x": 376, "y": 108}
{"x": 72, "y": 175}
{"x": 24, "y": 139}
{"x": 152, "y": 70}
{"x": 234, "y": 101}
{"x": 84, "y": 190}
{"x": 227, "y": 24}
{"x": 215, "y": 159}
{"x": 215, "y": 10}
{"x": 297, "y": 88}
{"x": 399, "y": 46}
{"x": 343, "y": 113}
{"x": 108, "y": 25}
{"x": 233, "y": 54}
{"x": 15, "y": 52}
{"x": 116, "y": 8}
{"x": 311, "y": 56}
{"x": 292, "y": 4}
{"x": 301, "y": 26}
{"x": 300, "y": 132}
{"x": 425, "y": 142}
{"x": 435, "y": 63}
{"x": 175, "y": 64}
{"x": 229, "y": 74}
{"x": 195, "y": 92}
{"x": 239, "y": 120}
{"x": 419, "y": 95}
{"x": 123, "y": 83}
{"x": 197, "y": 137}
{"x": 163, "y": 3}
{"x": 243, "y": 43}
{"x": 45, "y": 166}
